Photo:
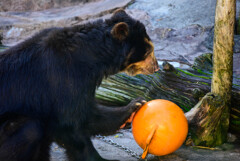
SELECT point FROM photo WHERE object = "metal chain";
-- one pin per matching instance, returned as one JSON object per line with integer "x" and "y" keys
{"x": 124, "y": 148}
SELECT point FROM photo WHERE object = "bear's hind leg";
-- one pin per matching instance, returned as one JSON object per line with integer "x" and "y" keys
{"x": 21, "y": 139}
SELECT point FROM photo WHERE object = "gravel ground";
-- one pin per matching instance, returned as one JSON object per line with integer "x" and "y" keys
{"x": 227, "y": 152}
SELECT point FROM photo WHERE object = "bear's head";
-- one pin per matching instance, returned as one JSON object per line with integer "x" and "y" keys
{"x": 140, "y": 58}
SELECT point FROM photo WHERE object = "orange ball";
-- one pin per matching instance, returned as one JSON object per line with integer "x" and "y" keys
{"x": 159, "y": 127}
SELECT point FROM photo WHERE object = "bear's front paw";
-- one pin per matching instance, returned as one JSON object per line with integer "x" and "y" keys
{"x": 136, "y": 104}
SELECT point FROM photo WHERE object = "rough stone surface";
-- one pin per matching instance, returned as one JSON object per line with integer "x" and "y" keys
{"x": 17, "y": 26}
{"x": 178, "y": 14}
{"x": 181, "y": 45}
{"x": 36, "y": 5}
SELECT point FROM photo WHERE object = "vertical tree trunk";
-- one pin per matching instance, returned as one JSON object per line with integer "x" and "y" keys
{"x": 223, "y": 48}
{"x": 212, "y": 118}
{"x": 223, "y": 55}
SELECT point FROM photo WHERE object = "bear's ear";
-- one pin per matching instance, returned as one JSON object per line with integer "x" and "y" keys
{"x": 119, "y": 12}
{"x": 120, "y": 31}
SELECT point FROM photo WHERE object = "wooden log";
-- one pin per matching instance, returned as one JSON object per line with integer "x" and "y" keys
{"x": 211, "y": 121}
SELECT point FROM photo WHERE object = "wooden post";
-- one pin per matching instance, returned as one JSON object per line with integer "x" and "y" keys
{"x": 212, "y": 117}
{"x": 223, "y": 56}
{"x": 223, "y": 48}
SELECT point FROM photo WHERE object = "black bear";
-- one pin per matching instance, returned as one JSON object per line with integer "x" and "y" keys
{"x": 48, "y": 82}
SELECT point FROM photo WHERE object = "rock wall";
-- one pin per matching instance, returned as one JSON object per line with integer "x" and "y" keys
{"x": 17, "y": 26}
{"x": 36, "y": 5}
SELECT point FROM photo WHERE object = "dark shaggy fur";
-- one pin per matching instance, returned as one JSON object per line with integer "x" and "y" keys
{"x": 48, "y": 83}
